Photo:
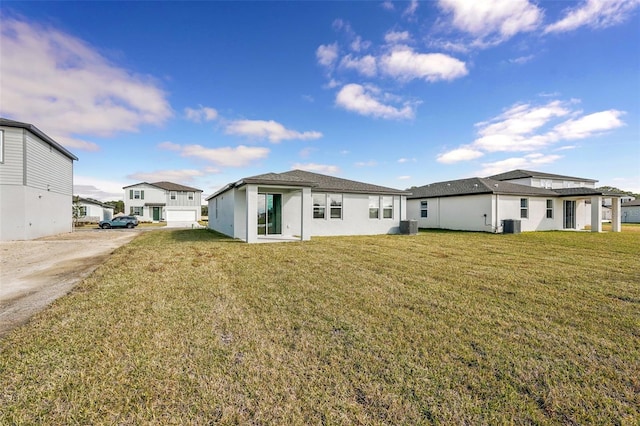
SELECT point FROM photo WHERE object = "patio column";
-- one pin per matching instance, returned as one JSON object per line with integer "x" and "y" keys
{"x": 252, "y": 213}
{"x": 596, "y": 214}
{"x": 616, "y": 215}
{"x": 306, "y": 216}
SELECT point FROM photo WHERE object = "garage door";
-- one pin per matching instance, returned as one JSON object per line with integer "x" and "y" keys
{"x": 181, "y": 216}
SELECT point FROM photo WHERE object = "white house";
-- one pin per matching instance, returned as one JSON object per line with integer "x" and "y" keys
{"x": 36, "y": 183}
{"x": 631, "y": 211}
{"x": 297, "y": 205}
{"x": 537, "y": 201}
{"x": 92, "y": 211}
{"x": 176, "y": 204}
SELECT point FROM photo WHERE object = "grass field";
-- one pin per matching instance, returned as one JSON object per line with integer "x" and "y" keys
{"x": 187, "y": 327}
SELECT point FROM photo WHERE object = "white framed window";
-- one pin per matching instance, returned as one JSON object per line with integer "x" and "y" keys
{"x": 549, "y": 209}
{"x": 335, "y": 206}
{"x": 82, "y": 211}
{"x": 387, "y": 207}
{"x": 190, "y": 195}
{"x": 319, "y": 206}
{"x": 374, "y": 207}
{"x": 424, "y": 209}
{"x": 524, "y": 208}
{"x": 137, "y": 211}
{"x": 136, "y": 194}
{"x": 173, "y": 195}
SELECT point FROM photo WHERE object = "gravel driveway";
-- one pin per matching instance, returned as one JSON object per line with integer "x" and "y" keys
{"x": 35, "y": 273}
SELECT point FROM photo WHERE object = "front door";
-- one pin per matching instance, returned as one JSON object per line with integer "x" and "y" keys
{"x": 269, "y": 214}
{"x": 569, "y": 215}
{"x": 156, "y": 213}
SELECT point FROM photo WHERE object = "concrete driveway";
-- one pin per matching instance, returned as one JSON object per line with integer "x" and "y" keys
{"x": 35, "y": 273}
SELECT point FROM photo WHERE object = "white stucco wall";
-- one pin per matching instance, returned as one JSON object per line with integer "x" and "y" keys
{"x": 222, "y": 214}
{"x": 355, "y": 218}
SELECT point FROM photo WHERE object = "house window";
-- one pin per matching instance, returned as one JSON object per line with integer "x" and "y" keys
{"x": 424, "y": 209}
{"x": 1, "y": 146}
{"x": 374, "y": 207}
{"x": 549, "y": 209}
{"x": 82, "y": 211}
{"x": 135, "y": 194}
{"x": 136, "y": 211}
{"x": 319, "y": 206}
{"x": 524, "y": 208}
{"x": 190, "y": 196}
{"x": 173, "y": 195}
{"x": 387, "y": 207}
{"x": 335, "y": 201}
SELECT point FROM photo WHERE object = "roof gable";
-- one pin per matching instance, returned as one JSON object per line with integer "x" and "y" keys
{"x": 39, "y": 133}
{"x": 167, "y": 186}
{"x": 472, "y": 186}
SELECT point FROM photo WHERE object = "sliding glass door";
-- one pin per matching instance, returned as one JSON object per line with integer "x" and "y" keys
{"x": 269, "y": 214}
{"x": 569, "y": 214}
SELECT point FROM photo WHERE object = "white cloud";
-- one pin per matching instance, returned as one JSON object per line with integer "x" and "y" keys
{"x": 169, "y": 146}
{"x": 370, "y": 163}
{"x": 405, "y": 64}
{"x": 365, "y": 65}
{"x": 200, "y": 114}
{"x": 327, "y": 54}
{"x": 521, "y": 59}
{"x": 531, "y": 161}
{"x": 178, "y": 176}
{"x": 589, "y": 125}
{"x": 388, "y": 5}
{"x": 358, "y": 44}
{"x": 492, "y": 22}
{"x": 524, "y": 127}
{"x": 595, "y": 14}
{"x": 405, "y": 177}
{"x": 69, "y": 89}
{"x": 366, "y": 101}
{"x": 406, "y": 160}
{"x": 271, "y": 130}
{"x": 410, "y": 11}
{"x": 459, "y": 154}
{"x": 226, "y": 156}
{"x": 319, "y": 168}
{"x": 98, "y": 189}
{"x": 395, "y": 37}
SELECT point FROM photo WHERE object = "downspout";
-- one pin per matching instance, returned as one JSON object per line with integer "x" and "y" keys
{"x": 496, "y": 214}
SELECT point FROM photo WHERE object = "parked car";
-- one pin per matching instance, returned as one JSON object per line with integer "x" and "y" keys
{"x": 119, "y": 222}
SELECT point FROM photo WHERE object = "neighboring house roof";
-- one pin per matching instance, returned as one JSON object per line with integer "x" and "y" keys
{"x": 522, "y": 174}
{"x": 317, "y": 181}
{"x": 631, "y": 203}
{"x": 33, "y": 129}
{"x": 167, "y": 186}
{"x": 95, "y": 202}
{"x": 476, "y": 185}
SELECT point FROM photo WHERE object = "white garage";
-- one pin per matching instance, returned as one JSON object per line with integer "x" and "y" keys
{"x": 173, "y": 216}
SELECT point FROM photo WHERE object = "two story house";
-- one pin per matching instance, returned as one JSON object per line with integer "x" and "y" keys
{"x": 36, "y": 183}
{"x": 176, "y": 204}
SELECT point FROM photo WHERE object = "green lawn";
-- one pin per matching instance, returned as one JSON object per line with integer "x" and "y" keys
{"x": 187, "y": 327}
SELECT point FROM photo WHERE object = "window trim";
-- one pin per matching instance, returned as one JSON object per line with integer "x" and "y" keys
{"x": 424, "y": 208}
{"x": 387, "y": 210}
{"x": 524, "y": 208}
{"x": 337, "y": 207}
{"x": 549, "y": 213}
{"x": 173, "y": 195}
{"x": 376, "y": 200}
{"x": 190, "y": 196}
{"x": 133, "y": 210}
{"x": 319, "y": 207}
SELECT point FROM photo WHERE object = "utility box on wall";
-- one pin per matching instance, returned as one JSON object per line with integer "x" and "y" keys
{"x": 511, "y": 226}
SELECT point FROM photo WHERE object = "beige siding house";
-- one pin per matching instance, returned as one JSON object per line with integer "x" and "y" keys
{"x": 36, "y": 183}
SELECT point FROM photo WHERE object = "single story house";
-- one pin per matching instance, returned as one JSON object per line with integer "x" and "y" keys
{"x": 631, "y": 211}
{"x": 88, "y": 210}
{"x": 536, "y": 201}
{"x": 298, "y": 205}
{"x": 178, "y": 205}
{"x": 36, "y": 183}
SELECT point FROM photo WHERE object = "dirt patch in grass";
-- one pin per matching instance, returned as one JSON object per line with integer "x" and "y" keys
{"x": 451, "y": 328}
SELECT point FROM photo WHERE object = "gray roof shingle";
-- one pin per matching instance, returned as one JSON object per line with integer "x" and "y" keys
{"x": 476, "y": 185}
{"x": 521, "y": 174}
{"x": 167, "y": 186}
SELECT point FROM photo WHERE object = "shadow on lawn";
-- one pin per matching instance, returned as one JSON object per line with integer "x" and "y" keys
{"x": 204, "y": 235}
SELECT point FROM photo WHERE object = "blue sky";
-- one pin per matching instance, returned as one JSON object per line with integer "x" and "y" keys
{"x": 391, "y": 93}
